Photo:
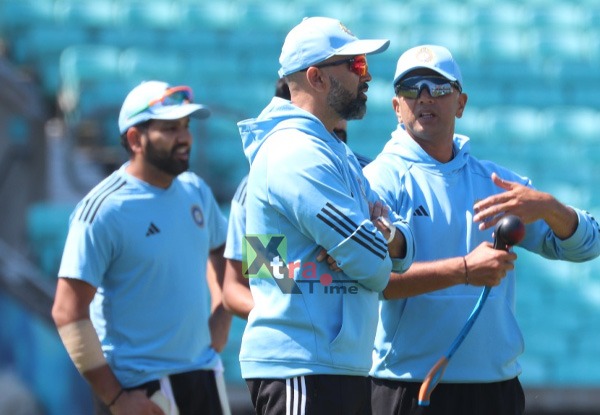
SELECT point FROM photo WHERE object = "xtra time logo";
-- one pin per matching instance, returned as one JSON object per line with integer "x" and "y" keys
{"x": 265, "y": 256}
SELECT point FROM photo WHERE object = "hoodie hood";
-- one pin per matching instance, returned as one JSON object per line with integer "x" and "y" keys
{"x": 411, "y": 152}
{"x": 278, "y": 115}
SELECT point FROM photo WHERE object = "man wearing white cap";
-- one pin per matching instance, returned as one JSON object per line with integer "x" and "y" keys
{"x": 320, "y": 245}
{"x": 453, "y": 201}
{"x": 133, "y": 301}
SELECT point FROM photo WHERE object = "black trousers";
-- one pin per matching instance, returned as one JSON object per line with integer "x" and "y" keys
{"x": 401, "y": 398}
{"x": 195, "y": 393}
{"x": 311, "y": 395}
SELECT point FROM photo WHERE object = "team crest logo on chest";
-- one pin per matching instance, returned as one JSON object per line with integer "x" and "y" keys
{"x": 198, "y": 216}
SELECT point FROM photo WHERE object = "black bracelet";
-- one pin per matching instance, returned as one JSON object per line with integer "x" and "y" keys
{"x": 114, "y": 401}
{"x": 466, "y": 271}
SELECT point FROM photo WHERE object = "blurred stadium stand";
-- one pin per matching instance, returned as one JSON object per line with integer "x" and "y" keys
{"x": 530, "y": 69}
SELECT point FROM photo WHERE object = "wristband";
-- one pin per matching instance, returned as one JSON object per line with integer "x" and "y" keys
{"x": 466, "y": 271}
{"x": 390, "y": 227}
{"x": 392, "y": 234}
{"x": 82, "y": 344}
{"x": 114, "y": 401}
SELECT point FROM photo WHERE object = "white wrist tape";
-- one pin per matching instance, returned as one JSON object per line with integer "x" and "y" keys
{"x": 392, "y": 234}
{"x": 82, "y": 344}
{"x": 391, "y": 228}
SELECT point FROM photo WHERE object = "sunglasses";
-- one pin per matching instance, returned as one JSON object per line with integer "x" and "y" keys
{"x": 176, "y": 95}
{"x": 436, "y": 85}
{"x": 357, "y": 64}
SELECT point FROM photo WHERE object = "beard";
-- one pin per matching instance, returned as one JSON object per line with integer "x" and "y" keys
{"x": 165, "y": 161}
{"x": 344, "y": 103}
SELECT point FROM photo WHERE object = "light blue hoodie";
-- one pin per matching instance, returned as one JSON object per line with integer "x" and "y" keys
{"x": 438, "y": 198}
{"x": 307, "y": 186}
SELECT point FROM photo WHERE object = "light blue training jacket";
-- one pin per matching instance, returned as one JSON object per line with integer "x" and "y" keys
{"x": 437, "y": 199}
{"x": 306, "y": 186}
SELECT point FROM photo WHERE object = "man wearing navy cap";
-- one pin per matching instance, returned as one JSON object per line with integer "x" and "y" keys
{"x": 133, "y": 301}
{"x": 320, "y": 245}
{"x": 452, "y": 200}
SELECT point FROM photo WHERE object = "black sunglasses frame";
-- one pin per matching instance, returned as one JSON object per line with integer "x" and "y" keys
{"x": 437, "y": 80}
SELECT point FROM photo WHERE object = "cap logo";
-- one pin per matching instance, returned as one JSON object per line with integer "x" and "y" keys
{"x": 424, "y": 55}
{"x": 345, "y": 29}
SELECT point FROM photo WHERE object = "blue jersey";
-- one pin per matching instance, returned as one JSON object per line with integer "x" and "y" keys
{"x": 438, "y": 198}
{"x": 237, "y": 223}
{"x": 305, "y": 191}
{"x": 145, "y": 249}
{"x": 237, "y": 216}
{"x": 362, "y": 160}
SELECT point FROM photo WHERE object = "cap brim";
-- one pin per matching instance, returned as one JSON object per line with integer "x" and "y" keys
{"x": 180, "y": 111}
{"x": 433, "y": 68}
{"x": 364, "y": 47}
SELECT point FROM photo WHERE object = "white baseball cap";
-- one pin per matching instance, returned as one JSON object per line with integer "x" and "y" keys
{"x": 317, "y": 39}
{"x": 436, "y": 58}
{"x": 156, "y": 100}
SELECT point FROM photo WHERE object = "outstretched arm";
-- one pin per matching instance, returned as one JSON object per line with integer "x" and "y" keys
{"x": 529, "y": 205}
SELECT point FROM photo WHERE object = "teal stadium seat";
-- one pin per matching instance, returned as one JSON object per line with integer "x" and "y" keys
{"x": 155, "y": 14}
{"x": 344, "y": 11}
{"x": 515, "y": 123}
{"x": 380, "y": 96}
{"x": 484, "y": 93}
{"x": 368, "y": 136}
{"x": 219, "y": 135}
{"x": 47, "y": 226}
{"x": 39, "y": 47}
{"x": 560, "y": 333}
{"x": 573, "y": 124}
{"x": 208, "y": 16}
{"x": 92, "y": 15}
{"x": 91, "y": 92}
{"x": 127, "y": 37}
{"x": 557, "y": 16}
{"x": 573, "y": 140}
{"x": 500, "y": 45}
{"x": 144, "y": 64}
{"x": 45, "y": 42}
{"x": 504, "y": 15}
{"x": 216, "y": 87}
{"x": 576, "y": 74}
{"x": 195, "y": 41}
{"x": 385, "y": 13}
{"x": 585, "y": 95}
{"x": 276, "y": 16}
{"x": 495, "y": 81}
{"x": 538, "y": 94}
{"x": 450, "y": 14}
{"x": 84, "y": 64}
{"x": 17, "y": 16}
{"x": 565, "y": 46}
{"x": 474, "y": 125}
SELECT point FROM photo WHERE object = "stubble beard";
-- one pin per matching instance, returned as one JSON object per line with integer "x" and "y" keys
{"x": 165, "y": 161}
{"x": 344, "y": 103}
